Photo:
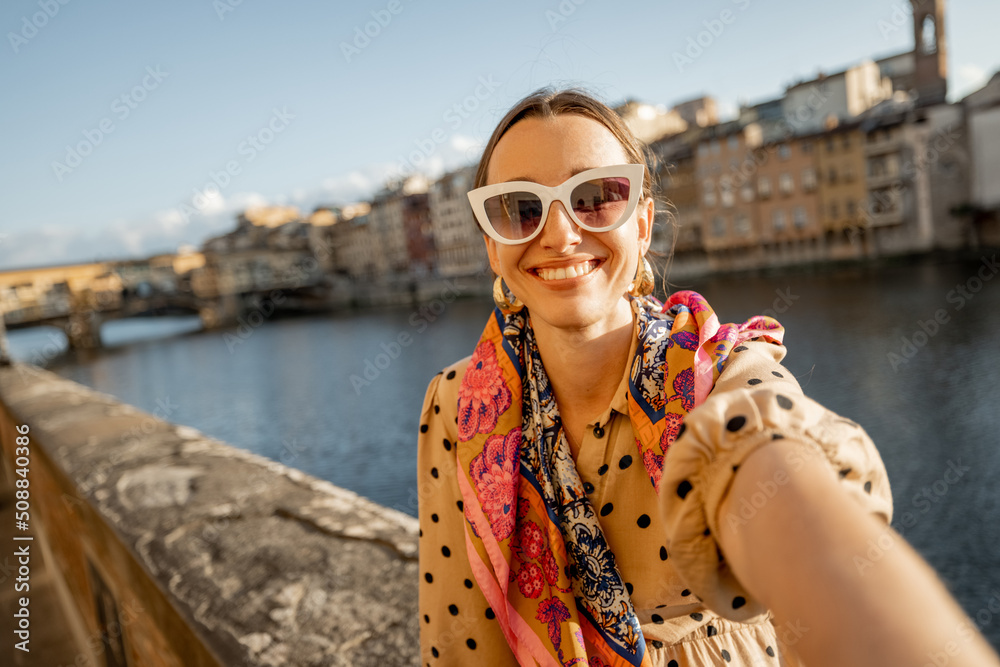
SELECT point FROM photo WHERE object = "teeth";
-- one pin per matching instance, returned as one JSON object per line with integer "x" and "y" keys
{"x": 573, "y": 271}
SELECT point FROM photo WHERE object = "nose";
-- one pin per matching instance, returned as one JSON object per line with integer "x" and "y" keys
{"x": 560, "y": 232}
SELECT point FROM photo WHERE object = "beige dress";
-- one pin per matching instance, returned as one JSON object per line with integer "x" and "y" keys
{"x": 686, "y": 620}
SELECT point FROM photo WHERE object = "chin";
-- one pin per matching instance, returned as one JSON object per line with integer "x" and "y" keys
{"x": 576, "y": 313}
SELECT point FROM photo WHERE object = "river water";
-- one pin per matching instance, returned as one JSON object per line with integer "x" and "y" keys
{"x": 909, "y": 351}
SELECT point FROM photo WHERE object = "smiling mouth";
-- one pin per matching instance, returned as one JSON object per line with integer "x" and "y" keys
{"x": 564, "y": 272}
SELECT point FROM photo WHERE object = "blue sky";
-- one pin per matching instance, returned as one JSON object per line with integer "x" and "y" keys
{"x": 161, "y": 96}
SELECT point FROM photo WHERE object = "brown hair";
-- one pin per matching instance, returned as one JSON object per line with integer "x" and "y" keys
{"x": 549, "y": 103}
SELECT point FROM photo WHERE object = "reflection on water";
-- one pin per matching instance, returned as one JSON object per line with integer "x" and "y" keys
{"x": 929, "y": 402}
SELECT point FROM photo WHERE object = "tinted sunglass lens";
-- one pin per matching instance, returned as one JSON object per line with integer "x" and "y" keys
{"x": 601, "y": 202}
{"x": 515, "y": 215}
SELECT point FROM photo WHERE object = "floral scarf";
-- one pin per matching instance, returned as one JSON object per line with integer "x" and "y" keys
{"x": 533, "y": 538}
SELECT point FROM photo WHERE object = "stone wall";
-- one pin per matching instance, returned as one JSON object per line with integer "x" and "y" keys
{"x": 179, "y": 550}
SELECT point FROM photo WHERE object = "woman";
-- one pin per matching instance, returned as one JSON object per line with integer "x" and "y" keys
{"x": 608, "y": 480}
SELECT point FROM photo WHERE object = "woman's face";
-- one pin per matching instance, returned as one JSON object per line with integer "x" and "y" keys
{"x": 549, "y": 151}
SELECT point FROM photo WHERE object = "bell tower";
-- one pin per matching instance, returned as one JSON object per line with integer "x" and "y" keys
{"x": 930, "y": 54}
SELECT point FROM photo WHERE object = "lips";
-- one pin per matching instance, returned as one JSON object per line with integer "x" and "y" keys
{"x": 564, "y": 272}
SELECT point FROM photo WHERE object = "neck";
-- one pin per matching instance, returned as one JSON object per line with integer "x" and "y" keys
{"x": 585, "y": 365}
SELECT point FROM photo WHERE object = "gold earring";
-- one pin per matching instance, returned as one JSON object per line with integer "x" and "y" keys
{"x": 500, "y": 298}
{"x": 643, "y": 283}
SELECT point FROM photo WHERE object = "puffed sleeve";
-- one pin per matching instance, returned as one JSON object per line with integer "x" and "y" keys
{"x": 754, "y": 402}
{"x": 457, "y": 626}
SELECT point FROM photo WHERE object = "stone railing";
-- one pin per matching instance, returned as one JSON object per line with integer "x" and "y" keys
{"x": 172, "y": 548}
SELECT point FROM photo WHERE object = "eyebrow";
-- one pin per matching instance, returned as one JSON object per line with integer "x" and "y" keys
{"x": 572, "y": 173}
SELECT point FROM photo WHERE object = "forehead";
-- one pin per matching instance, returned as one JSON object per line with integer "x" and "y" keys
{"x": 550, "y": 150}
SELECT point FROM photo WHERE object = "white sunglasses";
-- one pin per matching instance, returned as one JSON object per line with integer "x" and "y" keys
{"x": 597, "y": 200}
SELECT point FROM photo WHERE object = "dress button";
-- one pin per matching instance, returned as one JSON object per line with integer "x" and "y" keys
{"x": 598, "y": 431}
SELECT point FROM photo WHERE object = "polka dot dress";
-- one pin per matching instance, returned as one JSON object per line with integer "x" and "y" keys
{"x": 688, "y": 616}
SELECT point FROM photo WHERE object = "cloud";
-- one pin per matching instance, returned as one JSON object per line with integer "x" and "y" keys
{"x": 118, "y": 240}
{"x": 464, "y": 144}
{"x": 244, "y": 200}
{"x": 211, "y": 213}
{"x": 356, "y": 185}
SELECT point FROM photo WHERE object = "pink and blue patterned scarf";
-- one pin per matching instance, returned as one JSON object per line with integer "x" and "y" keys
{"x": 533, "y": 538}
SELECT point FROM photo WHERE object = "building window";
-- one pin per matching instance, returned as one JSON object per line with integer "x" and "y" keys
{"x": 708, "y": 192}
{"x": 785, "y": 184}
{"x": 832, "y": 175}
{"x": 808, "y": 179}
{"x": 778, "y": 219}
{"x": 746, "y": 192}
{"x": 718, "y": 226}
{"x": 892, "y": 164}
{"x": 733, "y": 142}
{"x": 852, "y": 209}
{"x": 764, "y": 187}
{"x": 807, "y": 147}
{"x": 834, "y": 211}
{"x": 928, "y": 36}
{"x": 845, "y": 141}
{"x": 742, "y": 224}
{"x": 726, "y": 192}
{"x": 716, "y": 146}
{"x": 783, "y": 151}
{"x": 849, "y": 173}
{"x": 801, "y": 219}
{"x": 829, "y": 144}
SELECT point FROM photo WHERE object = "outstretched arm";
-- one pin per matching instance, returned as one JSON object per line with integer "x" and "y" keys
{"x": 807, "y": 555}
